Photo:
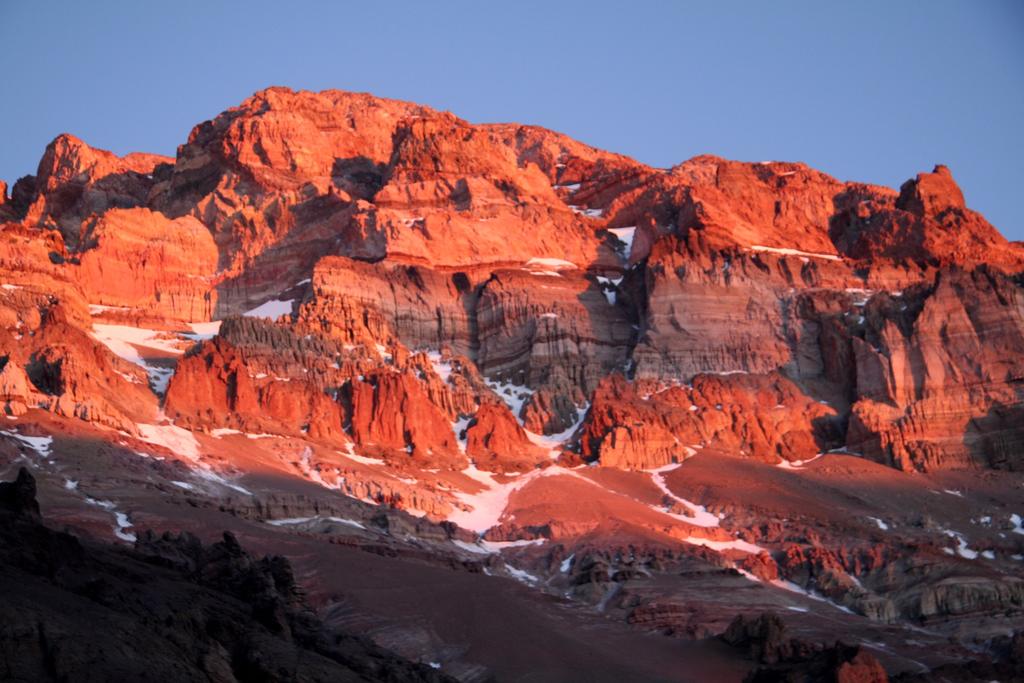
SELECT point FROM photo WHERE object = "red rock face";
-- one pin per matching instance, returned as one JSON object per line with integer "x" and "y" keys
{"x": 496, "y": 442}
{"x": 928, "y": 223}
{"x": 843, "y": 303}
{"x": 139, "y": 260}
{"x": 214, "y": 387}
{"x": 75, "y": 181}
{"x": 391, "y": 412}
{"x": 764, "y": 417}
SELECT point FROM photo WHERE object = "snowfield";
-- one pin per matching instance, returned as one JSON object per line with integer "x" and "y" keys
{"x": 274, "y": 308}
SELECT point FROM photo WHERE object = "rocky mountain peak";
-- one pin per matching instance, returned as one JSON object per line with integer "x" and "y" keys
{"x": 931, "y": 193}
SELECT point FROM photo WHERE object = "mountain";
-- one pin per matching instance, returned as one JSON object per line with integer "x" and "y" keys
{"x": 519, "y": 407}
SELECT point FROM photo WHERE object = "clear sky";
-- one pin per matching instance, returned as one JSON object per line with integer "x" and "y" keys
{"x": 864, "y": 90}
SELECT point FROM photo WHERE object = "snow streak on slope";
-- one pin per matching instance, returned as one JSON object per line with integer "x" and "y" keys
{"x": 795, "y": 252}
{"x": 701, "y": 517}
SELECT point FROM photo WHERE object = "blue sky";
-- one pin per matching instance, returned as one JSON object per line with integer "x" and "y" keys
{"x": 870, "y": 91}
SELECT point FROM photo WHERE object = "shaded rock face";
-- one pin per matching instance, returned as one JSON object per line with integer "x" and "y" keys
{"x": 74, "y": 181}
{"x": 18, "y": 497}
{"x": 939, "y": 375}
{"x": 1008, "y": 665}
{"x": 784, "y": 658}
{"x": 539, "y": 328}
{"x": 221, "y": 613}
{"x": 362, "y": 303}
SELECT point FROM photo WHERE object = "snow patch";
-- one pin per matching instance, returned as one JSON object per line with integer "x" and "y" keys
{"x": 794, "y": 252}
{"x": 459, "y": 428}
{"x": 96, "y": 309}
{"x": 498, "y": 546}
{"x": 514, "y": 395}
{"x": 211, "y": 476}
{"x": 487, "y": 506}
{"x": 123, "y": 340}
{"x": 121, "y": 521}
{"x": 443, "y": 368}
{"x": 625, "y": 235}
{"x": 701, "y": 517}
{"x": 520, "y": 575}
{"x": 470, "y": 547}
{"x": 274, "y": 308}
{"x": 550, "y": 263}
{"x": 40, "y": 444}
{"x": 589, "y": 213}
{"x": 352, "y": 455}
{"x": 609, "y": 288}
{"x": 303, "y": 520}
{"x": 554, "y": 442}
{"x": 962, "y": 549}
{"x": 175, "y": 439}
{"x": 798, "y": 464}
{"x": 881, "y": 525}
{"x": 204, "y": 331}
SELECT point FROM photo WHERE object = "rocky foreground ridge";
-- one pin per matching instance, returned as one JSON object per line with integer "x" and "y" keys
{"x": 817, "y": 385}
{"x": 171, "y": 609}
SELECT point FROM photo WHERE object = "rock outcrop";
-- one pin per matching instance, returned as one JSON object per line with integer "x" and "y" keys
{"x": 791, "y": 659}
{"x": 761, "y": 416}
{"x": 938, "y": 375}
{"x": 75, "y": 181}
{"x": 496, "y": 442}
